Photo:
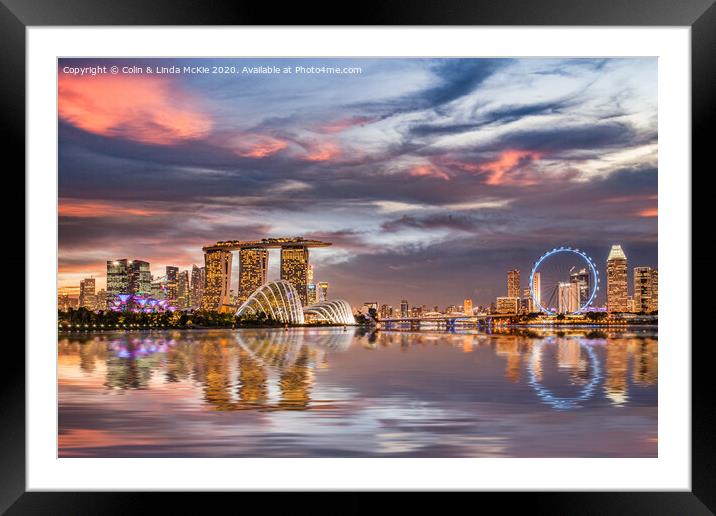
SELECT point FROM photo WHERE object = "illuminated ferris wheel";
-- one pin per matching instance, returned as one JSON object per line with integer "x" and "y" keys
{"x": 564, "y": 281}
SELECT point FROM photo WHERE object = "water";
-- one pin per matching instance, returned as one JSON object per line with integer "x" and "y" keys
{"x": 347, "y": 393}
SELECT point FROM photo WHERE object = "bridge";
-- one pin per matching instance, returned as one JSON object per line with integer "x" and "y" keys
{"x": 446, "y": 320}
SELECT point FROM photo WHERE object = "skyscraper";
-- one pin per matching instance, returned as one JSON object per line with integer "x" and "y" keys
{"x": 654, "y": 290}
{"x": 183, "y": 291}
{"x": 294, "y": 269}
{"x": 197, "y": 285}
{"x": 567, "y": 297}
{"x": 404, "y": 308}
{"x": 528, "y": 305}
{"x": 117, "y": 279}
{"x": 537, "y": 293}
{"x": 580, "y": 277}
{"x": 253, "y": 266}
{"x": 617, "y": 280}
{"x": 513, "y": 283}
{"x": 172, "y": 283}
{"x": 507, "y": 305}
{"x": 87, "y": 293}
{"x": 467, "y": 307}
{"x": 644, "y": 289}
{"x": 322, "y": 290}
{"x": 218, "y": 279}
{"x": 139, "y": 277}
{"x": 311, "y": 289}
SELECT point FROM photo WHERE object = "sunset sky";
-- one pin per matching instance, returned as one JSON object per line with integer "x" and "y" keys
{"x": 432, "y": 177}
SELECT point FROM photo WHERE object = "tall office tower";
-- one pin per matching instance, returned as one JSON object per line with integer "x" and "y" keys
{"x": 117, "y": 279}
{"x": 617, "y": 280}
{"x": 537, "y": 286}
{"x": 513, "y": 283}
{"x": 87, "y": 293}
{"x": 253, "y": 266}
{"x": 311, "y": 294}
{"x": 386, "y": 311}
{"x": 322, "y": 290}
{"x": 654, "y": 289}
{"x": 567, "y": 297}
{"x": 171, "y": 283}
{"x": 183, "y": 291}
{"x": 630, "y": 304}
{"x": 467, "y": 306}
{"x": 100, "y": 300}
{"x": 404, "y": 310}
{"x": 294, "y": 269}
{"x": 140, "y": 278}
{"x": 218, "y": 279}
{"x": 643, "y": 289}
{"x": 580, "y": 277}
{"x": 528, "y": 304}
{"x": 506, "y": 305}
{"x": 197, "y": 285}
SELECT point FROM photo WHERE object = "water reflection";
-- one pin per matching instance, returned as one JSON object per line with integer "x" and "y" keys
{"x": 405, "y": 390}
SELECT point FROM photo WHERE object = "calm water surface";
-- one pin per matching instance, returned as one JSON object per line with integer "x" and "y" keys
{"x": 347, "y": 393}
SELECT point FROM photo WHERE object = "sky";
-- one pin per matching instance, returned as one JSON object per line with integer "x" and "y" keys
{"x": 431, "y": 177}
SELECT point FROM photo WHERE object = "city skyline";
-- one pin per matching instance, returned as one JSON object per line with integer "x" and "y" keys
{"x": 432, "y": 177}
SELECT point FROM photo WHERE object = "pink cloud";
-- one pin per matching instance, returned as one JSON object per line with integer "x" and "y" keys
{"x": 322, "y": 152}
{"x": 428, "y": 171}
{"x": 258, "y": 145}
{"x": 136, "y": 107}
{"x": 75, "y": 208}
{"x": 341, "y": 124}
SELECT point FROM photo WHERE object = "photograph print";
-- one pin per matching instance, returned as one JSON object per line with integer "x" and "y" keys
{"x": 357, "y": 257}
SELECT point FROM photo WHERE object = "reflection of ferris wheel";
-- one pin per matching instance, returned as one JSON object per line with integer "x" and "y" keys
{"x": 564, "y": 280}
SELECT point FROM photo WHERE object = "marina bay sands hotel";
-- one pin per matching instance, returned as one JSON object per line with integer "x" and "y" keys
{"x": 253, "y": 267}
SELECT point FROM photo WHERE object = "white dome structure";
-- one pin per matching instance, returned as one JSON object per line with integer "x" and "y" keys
{"x": 279, "y": 300}
{"x": 335, "y": 311}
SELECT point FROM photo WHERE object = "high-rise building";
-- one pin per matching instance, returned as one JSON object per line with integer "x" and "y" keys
{"x": 311, "y": 294}
{"x": 404, "y": 310}
{"x": 218, "y": 279}
{"x": 567, "y": 297}
{"x": 507, "y": 305}
{"x": 537, "y": 286}
{"x": 117, "y": 279}
{"x": 100, "y": 302}
{"x": 617, "y": 290}
{"x": 253, "y": 268}
{"x": 139, "y": 277}
{"x": 467, "y": 307}
{"x": 87, "y": 294}
{"x": 513, "y": 283}
{"x": 528, "y": 305}
{"x": 580, "y": 277}
{"x": 644, "y": 289}
{"x": 386, "y": 311}
{"x": 183, "y": 291}
{"x": 323, "y": 291}
{"x": 294, "y": 269}
{"x": 172, "y": 284}
{"x": 654, "y": 290}
{"x": 197, "y": 285}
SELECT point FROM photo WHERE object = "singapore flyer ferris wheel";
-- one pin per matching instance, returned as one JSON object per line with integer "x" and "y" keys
{"x": 564, "y": 280}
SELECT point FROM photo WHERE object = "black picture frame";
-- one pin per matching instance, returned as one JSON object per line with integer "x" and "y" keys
{"x": 17, "y": 15}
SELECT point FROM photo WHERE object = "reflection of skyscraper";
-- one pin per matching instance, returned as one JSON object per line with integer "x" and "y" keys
{"x": 616, "y": 280}
{"x": 139, "y": 277}
{"x": 253, "y": 379}
{"x": 117, "y": 279}
{"x": 87, "y": 293}
{"x": 218, "y": 279}
{"x": 253, "y": 267}
{"x": 172, "y": 283}
{"x": 513, "y": 283}
{"x": 197, "y": 285}
{"x": 294, "y": 269}
{"x": 643, "y": 289}
{"x": 580, "y": 278}
{"x": 615, "y": 383}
